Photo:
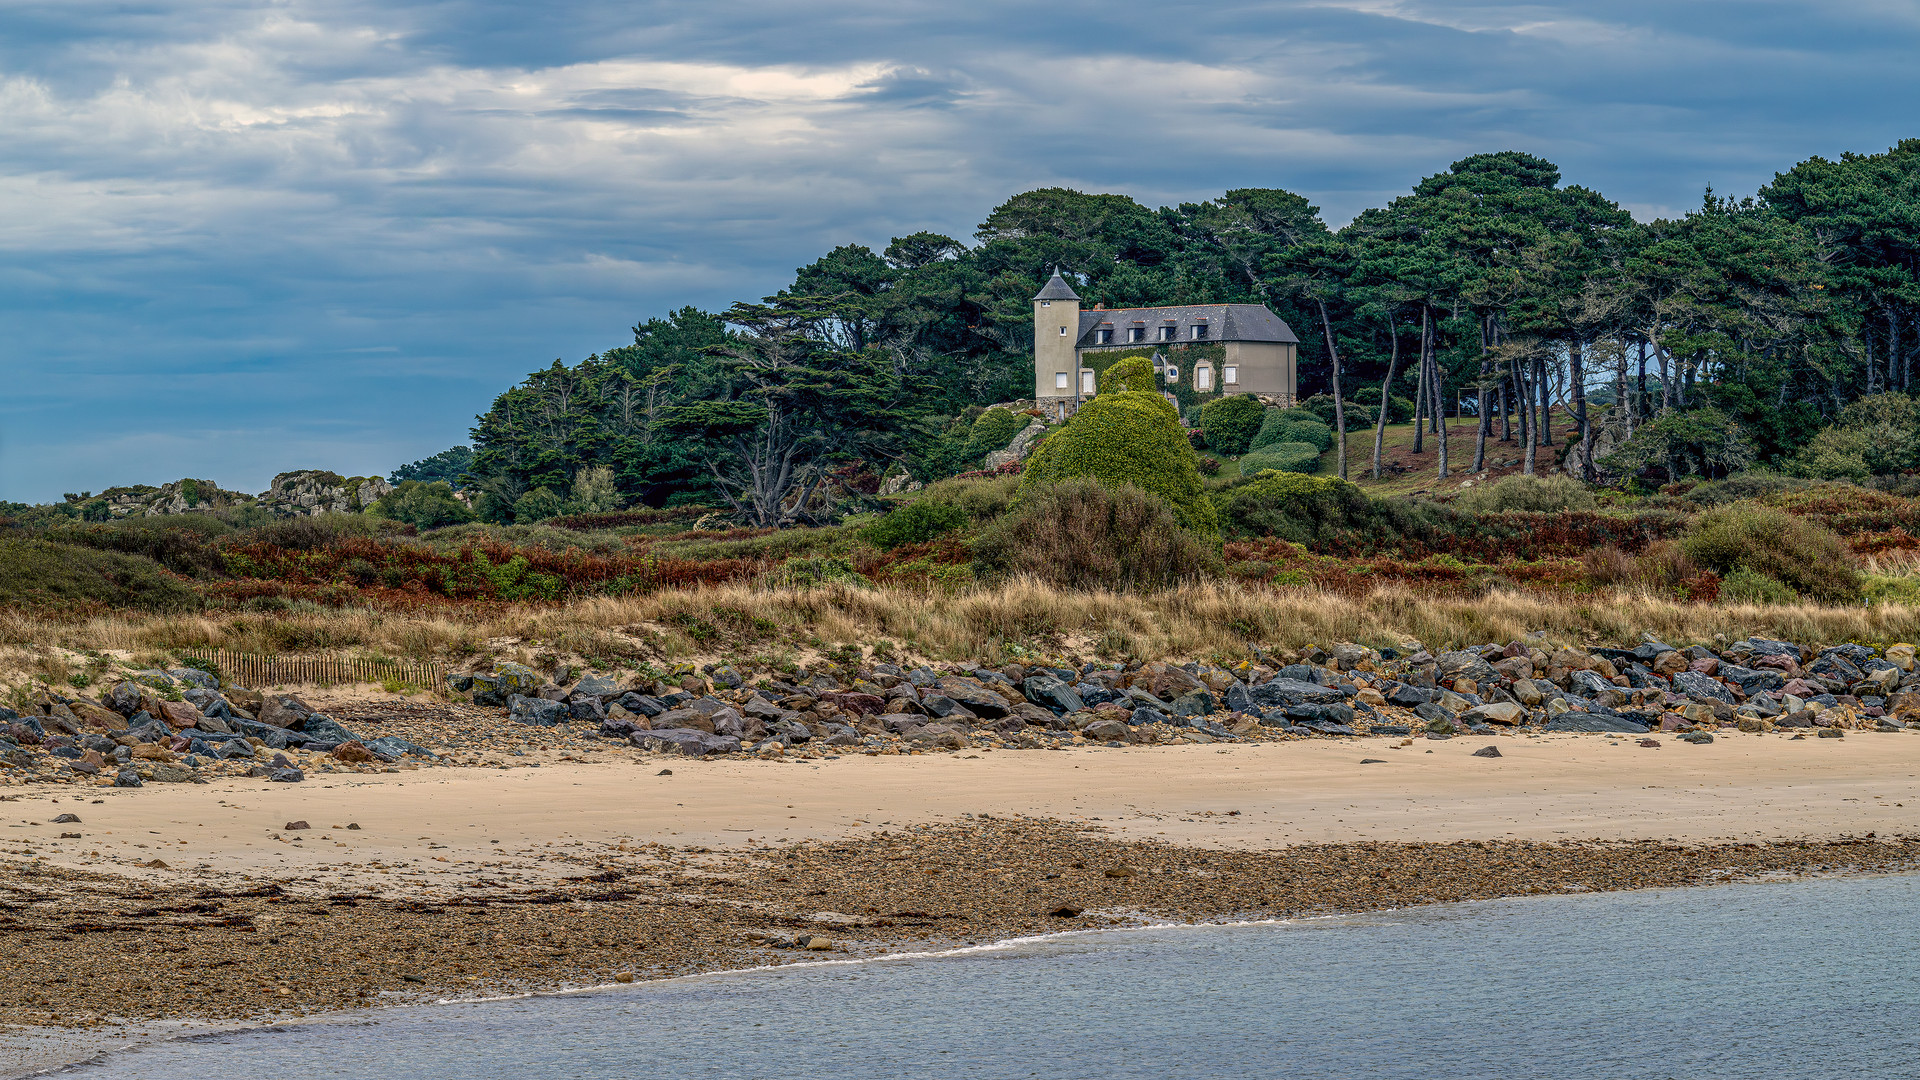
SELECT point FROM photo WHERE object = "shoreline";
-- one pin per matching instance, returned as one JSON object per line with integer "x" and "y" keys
{"x": 21, "y": 1058}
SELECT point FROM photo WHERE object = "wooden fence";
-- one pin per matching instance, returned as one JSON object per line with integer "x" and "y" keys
{"x": 257, "y": 672}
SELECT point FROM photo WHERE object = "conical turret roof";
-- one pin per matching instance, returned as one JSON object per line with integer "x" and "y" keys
{"x": 1056, "y": 288}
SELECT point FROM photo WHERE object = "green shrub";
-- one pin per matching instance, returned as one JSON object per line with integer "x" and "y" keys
{"x": 1536, "y": 494}
{"x": 915, "y": 523}
{"x": 537, "y": 505}
{"x": 1293, "y": 457}
{"x": 312, "y": 531}
{"x": 183, "y": 543}
{"x": 1083, "y": 535}
{"x": 1313, "y": 432}
{"x": 1230, "y": 423}
{"x": 1127, "y": 437}
{"x": 1802, "y": 555}
{"x": 1301, "y": 509}
{"x": 1878, "y": 435}
{"x": 1754, "y": 587}
{"x": 1399, "y": 409}
{"x": 981, "y": 498}
{"x": 1271, "y": 422}
{"x": 43, "y": 572}
{"x": 1133, "y": 373}
{"x": 993, "y": 430}
{"x": 1704, "y": 442}
{"x": 423, "y": 505}
{"x": 594, "y": 491}
{"x": 1752, "y": 484}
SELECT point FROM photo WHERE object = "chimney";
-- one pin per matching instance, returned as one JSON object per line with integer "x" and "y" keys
{"x": 1099, "y": 307}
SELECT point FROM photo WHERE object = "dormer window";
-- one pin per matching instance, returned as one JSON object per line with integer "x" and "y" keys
{"x": 1136, "y": 333}
{"x": 1199, "y": 331}
{"x": 1169, "y": 332}
{"x": 1103, "y": 337}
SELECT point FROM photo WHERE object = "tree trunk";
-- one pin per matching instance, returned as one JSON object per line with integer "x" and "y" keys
{"x": 1439, "y": 406}
{"x": 1484, "y": 422}
{"x": 1339, "y": 406}
{"x": 1420, "y": 388}
{"x": 1640, "y": 399}
{"x": 1666, "y": 376}
{"x": 1577, "y": 389}
{"x": 1546, "y": 402}
{"x": 1386, "y": 395}
{"x": 1523, "y": 395}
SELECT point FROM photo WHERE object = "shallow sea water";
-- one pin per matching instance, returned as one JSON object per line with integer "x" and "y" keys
{"x": 1800, "y": 980}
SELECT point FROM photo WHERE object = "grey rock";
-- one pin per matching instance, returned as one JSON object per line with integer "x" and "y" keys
{"x": 395, "y": 747}
{"x": 1050, "y": 692}
{"x": 1193, "y": 703}
{"x": 194, "y": 677}
{"x": 1105, "y": 730}
{"x": 320, "y": 727}
{"x": 1700, "y": 688}
{"x": 1408, "y": 697}
{"x": 1281, "y": 691}
{"x": 1144, "y": 715}
{"x": 1239, "y": 700}
{"x": 1471, "y": 665}
{"x": 1308, "y": 713}
{"x": 945, "y": 707}
{"x": 127, "y": 778}
{"x": 685, "y": 741}
{"x": 642, "y": 704}
{"x": 1752, "y": 681}
{"x": 285, "y": 776}
{"x": 586, "y": 707}
{"x": 538, "y": 712}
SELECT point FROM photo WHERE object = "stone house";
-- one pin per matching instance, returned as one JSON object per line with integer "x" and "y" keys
{"x": 1200, "y": 350}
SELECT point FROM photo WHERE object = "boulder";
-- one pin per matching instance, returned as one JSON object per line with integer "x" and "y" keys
{"x": 1496, "y": 712}
{"x": 937, "y": 737}
{"x": 1193, "y": 703}
{"x": 1699, "y": 687}
{"x": 1585, "y": 721}
{"x": 179, "y": 714}
{"x": 857, "y": 704}
{"x": 945, "y": 708}
{"x": 321, "y": 728}
{"x": 1465, "y": 665}
{"x": 977, "y": 699}
{"x": 1105, "y": 730}
{"x": 1052, "y": 693}
{"x": 1284, "y": 691}
{"x": 537, "y": 711}
{"x": 599, "y": 687}
{"x": 283, "y": 710}
{"x": 1164, "y": 681}
{"x": 684, "y": 741}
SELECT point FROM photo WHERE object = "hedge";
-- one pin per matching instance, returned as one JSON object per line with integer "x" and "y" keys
{"x": 1293, "y": 457}
{"x": 1230, "y": 423}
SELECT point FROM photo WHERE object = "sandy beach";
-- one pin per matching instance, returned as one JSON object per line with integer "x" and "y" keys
{"x": 471, "y": 823}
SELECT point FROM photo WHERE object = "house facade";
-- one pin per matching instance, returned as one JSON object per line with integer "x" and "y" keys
{"x": 1200, "y": 350}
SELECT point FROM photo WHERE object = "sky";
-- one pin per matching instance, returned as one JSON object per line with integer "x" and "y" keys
{"x": 240, "y": 237}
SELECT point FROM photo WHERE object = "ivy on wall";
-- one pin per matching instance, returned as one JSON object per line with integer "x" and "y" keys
{"x": 1183, "y": 357}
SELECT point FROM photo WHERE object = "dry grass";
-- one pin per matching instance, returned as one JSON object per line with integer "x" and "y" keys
{"x": 1219, "y": 621}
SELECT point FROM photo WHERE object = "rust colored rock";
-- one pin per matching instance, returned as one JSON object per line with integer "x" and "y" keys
{"x": 178, "y": 714}
{"x": 856, "y": 703}
{"x": 353, "y": 752}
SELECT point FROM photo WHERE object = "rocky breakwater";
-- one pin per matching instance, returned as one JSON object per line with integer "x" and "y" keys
{"x": 179, "y": 726}
{"x": 1346, "y": 690}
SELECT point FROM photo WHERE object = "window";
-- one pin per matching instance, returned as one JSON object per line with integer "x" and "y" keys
{"x": 1059, "y": 380}
{"x": 1230, "y": 375}
{"x": 1136, "y": 333}
{"x": 1046, "y": 303}
{"x": 1203, "y": 378}
{"x": 1199, "y": 331}
{"x": 1086, "y": 381}
{"x": 1063, "y": 331}
{"x": 1103, "y": 337}
{"x": 1169, "y": 332}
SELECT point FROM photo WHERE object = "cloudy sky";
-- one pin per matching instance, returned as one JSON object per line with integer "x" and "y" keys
{"x": 244, "y": 236}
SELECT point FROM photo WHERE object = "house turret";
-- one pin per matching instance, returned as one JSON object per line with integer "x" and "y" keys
{"x": 1056, "y": 337}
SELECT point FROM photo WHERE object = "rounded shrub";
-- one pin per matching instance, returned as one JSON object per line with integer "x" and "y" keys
{"x": 1128, "y": 437}
{"x": 1293, "y": 457}
{"x": 424, "y": 505}
{"x": 1230, "y": 423}
{"x": 1537, "y": 494}
{"x": 1307, "y": 431}
{"x": 992, "y": 430}
{"x": 1802, "y": 555}
{"x": 1081, "y": 534}
{"x": 1271, "y": 422}
{"x": 915, "y": 523}
{"x": 1133, "y": 373}
{"x": 1753, "y": 587}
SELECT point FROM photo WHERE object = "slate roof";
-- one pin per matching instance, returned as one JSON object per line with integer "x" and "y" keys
{"x": 1056, "y": 288}
{"x": 1225, "y": 322}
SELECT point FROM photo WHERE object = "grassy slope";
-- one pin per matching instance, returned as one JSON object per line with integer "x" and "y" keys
{"x": 1404, "y": 472}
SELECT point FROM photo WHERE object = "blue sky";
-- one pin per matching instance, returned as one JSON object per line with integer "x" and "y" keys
{"x": 239, "y": 236}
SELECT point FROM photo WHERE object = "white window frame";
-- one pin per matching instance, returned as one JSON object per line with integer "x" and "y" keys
{"x": 1230, "y": 375}
{"x": 1203, "y": 377}
{"x": 1060, "y": 381}
{"x": 1103, "y": 337}
{"x": 1088, "y": 386}
{"x": 1136, "y": 334}
{"x": 1063, "y": 331}
{"x": 1199, "y": 331}
{"x": 1169, "y": 333}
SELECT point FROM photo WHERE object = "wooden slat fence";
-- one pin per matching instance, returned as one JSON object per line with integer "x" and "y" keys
{"x": 255, "y": 672}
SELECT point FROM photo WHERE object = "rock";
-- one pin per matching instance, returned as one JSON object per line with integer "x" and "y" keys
{"x": 1193, "y": 703}
{"x": 1066, "y": 911}
{"x": 1468, "y": 665}
{"x": 285, "y": 776}
{"x": 684, "y": 741}
{"x": 163, "y": 773}
{"x": 1052, "y": 693}
{"x": 819, "y": 942}
{"x": 294, "y": 825}
{"x": 1832, "y": 733}
{"x": 1164, "y": 681}
{"x": 642, "y": 704}
{"x": 937, "y": 736}
{"x": 1487, "y": 751}
{"x": 601, "y": 688}
{"x": 1497, "y": 712}
{"x": 321, "y": 729}
{"x": 353, "y": 751}
{"x": 1698, "y": 686}
{"x": 1104, "y": 730}
{"x": 392, "y": 747}
{"x": 975, "y": 698}
{"x": 1019, "y": 448}
{"x": 538, "y": 712}
{"x": 858, "y": 704}
{"x": 283, "y": 710}
{"x": 944, "y": 707}
{"x": 67, "y": 819}
{"x": 1320, "y": 714}
{"x": 127, "y": 778}
{"x": 1283, "y": 691}
{"x": 1408, "y": 697}
{"x": 1370, "y": 696}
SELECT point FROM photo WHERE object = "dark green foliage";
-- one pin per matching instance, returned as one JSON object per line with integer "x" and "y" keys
{"x": 1705, "y": 442}
{"x": 423, "y": 505}
{"x": 1288, "y": 457}
{"x": 1132, "y": 373}
{"x": 448, "y": 466}
{"x": 1127, "y": 437}
{"x": 1080, "y": 534}
{"x": 1312, "y": 432}
{"x": 538, "y": 505}
{"x": 1800, "y": 554}
{"x": 1873, "y": 436}
{"x": 1230, "y": 423}
{"x": 915, "y": 523}
{"x": 1368, "y": 397}
{"x": 183, "y": 543}
{"x": 1301, "y": 509}
{"x": 34, "y": 572}
{"x": 994, "y": 429}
